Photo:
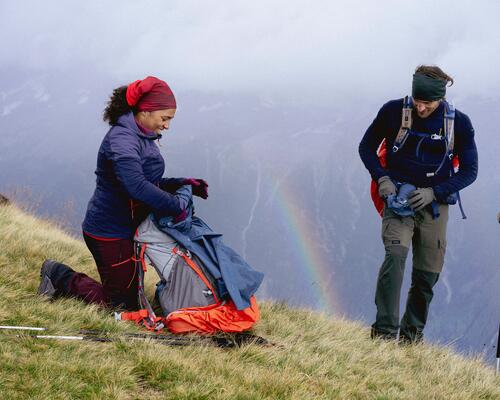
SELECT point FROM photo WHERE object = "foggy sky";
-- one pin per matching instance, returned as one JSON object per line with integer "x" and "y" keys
{"x": 302, "y": 50}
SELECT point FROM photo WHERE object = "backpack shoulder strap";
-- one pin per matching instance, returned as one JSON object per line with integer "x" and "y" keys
{"x": 449, "y": 126}
{"x": 406, "y": 122}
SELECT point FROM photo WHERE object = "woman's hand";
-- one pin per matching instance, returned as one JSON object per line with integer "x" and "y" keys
{"x": 181, "y": 217}
{"x": 199, "y": 186}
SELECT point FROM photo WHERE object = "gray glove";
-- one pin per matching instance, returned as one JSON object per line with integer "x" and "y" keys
{"x": 421, "y": 198}
{"x": 386, "y": 187}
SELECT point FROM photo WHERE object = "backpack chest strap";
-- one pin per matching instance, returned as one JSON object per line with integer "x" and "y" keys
{"x": 406, "y": 122}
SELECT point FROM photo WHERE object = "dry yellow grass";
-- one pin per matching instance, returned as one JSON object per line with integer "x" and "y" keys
{"x": 317, "y": 357}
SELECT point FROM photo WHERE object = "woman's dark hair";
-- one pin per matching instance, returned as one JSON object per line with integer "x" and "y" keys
{"x": 434, "y": 72}
{"x": 117, "y": 106}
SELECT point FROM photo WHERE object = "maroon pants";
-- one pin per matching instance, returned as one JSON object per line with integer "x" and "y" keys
{"x": 117, "y": 269}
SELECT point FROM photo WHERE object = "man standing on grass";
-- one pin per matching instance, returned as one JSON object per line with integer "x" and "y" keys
{"x": 425, "y": 139}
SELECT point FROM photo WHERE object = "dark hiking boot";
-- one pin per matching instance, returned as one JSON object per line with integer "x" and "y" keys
{"x": 53, "y": 278}
{"x": 415, "y": 337}
{"x": 376, "y": 334}
{"x": 46, "y": 287}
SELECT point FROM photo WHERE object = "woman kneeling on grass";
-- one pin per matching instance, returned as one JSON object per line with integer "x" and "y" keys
{"x": 129, "y": 186}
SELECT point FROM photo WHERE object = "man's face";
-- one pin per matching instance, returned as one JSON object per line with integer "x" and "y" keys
{"x": 425, "y": 108}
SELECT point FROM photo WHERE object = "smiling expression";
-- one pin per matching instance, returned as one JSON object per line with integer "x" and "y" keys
{"x": 156, "y": 121}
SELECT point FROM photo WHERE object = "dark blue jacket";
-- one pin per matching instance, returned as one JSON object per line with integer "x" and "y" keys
{"x": 129, "y": 182}
{"x": 386, "y": 125}
{"x": 234, "y": 277}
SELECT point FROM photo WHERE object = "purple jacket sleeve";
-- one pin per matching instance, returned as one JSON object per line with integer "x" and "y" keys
{"x": 465, "y": 148}
{"x": 125, "y": 154}
{"x": 171, "y": 185}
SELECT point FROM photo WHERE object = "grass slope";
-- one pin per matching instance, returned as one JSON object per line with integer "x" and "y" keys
{"x": 317, "y": 357}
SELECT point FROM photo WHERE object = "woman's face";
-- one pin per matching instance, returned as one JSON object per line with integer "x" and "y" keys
{"x": 156, "y": 121}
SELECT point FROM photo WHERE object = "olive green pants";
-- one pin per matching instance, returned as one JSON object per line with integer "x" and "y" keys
{"x": 428, "y": 239}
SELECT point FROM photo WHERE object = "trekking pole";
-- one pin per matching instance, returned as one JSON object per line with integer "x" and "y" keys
{"x": 223, "y": 341}
{"x": 91, "y": 338}
{"x": 94, "y": 336}
{"x": 168, "y": 341}
{"x": 498, "y": 348}
{"x": 104, "y": 339}
{"x": 22, "y": 328}
{"x": 63, "y": 337}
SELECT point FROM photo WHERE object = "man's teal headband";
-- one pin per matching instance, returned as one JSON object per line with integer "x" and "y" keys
{"x": 427, "y": 88}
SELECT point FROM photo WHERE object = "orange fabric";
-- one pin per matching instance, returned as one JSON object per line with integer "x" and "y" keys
{"x": 141, "y": 318}
{"x": 222, "y": 316}
{"x": 211, "y": 319}
{"x": 135, "y": 316}
{"x": 377, "y": 200}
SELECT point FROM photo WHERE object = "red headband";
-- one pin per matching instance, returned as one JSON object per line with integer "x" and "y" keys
{"x": 150, "y": 94}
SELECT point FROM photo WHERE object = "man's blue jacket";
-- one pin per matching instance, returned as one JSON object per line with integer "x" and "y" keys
{"x": 386, "y": 125}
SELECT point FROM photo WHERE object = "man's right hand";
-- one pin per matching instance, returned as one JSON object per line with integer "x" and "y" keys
{"x": 386, "y": 187}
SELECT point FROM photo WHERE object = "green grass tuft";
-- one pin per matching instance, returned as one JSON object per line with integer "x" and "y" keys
{"x": 316, "y": 357}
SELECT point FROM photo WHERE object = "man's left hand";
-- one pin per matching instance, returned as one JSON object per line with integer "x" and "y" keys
{"x": 421, "y": 198}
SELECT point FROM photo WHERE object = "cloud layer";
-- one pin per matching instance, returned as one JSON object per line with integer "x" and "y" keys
{"x": 324, "y": 50}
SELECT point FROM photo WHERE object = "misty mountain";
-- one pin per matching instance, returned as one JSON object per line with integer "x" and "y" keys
{"x": 287, "y": 190}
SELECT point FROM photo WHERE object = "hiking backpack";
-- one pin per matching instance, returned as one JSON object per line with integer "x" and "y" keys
{"x": 189, "y": 297}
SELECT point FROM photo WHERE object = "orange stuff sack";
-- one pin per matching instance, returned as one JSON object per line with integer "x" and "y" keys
{"x": 213, "y": 318}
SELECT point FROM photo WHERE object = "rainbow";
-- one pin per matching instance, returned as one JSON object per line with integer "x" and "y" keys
{"x": 312, "y": 261}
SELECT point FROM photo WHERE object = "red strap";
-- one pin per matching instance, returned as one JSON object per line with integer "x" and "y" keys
{"x": 104, "y": 239}
{"x": 123, "y": 262}
{"x": 141, "y": 257}
{"x": 140, "y": 317}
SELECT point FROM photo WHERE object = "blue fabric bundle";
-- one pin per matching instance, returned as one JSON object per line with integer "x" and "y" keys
{"x": 399, "y": 202}
{"x": 230, "y": 271}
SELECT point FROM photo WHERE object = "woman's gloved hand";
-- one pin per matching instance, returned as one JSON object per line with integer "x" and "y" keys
{"x": 199, "y": 186}
{"x": 386, "y": 187}
{"x": 180, "y": 217}
{"x": 421, "y": 198}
